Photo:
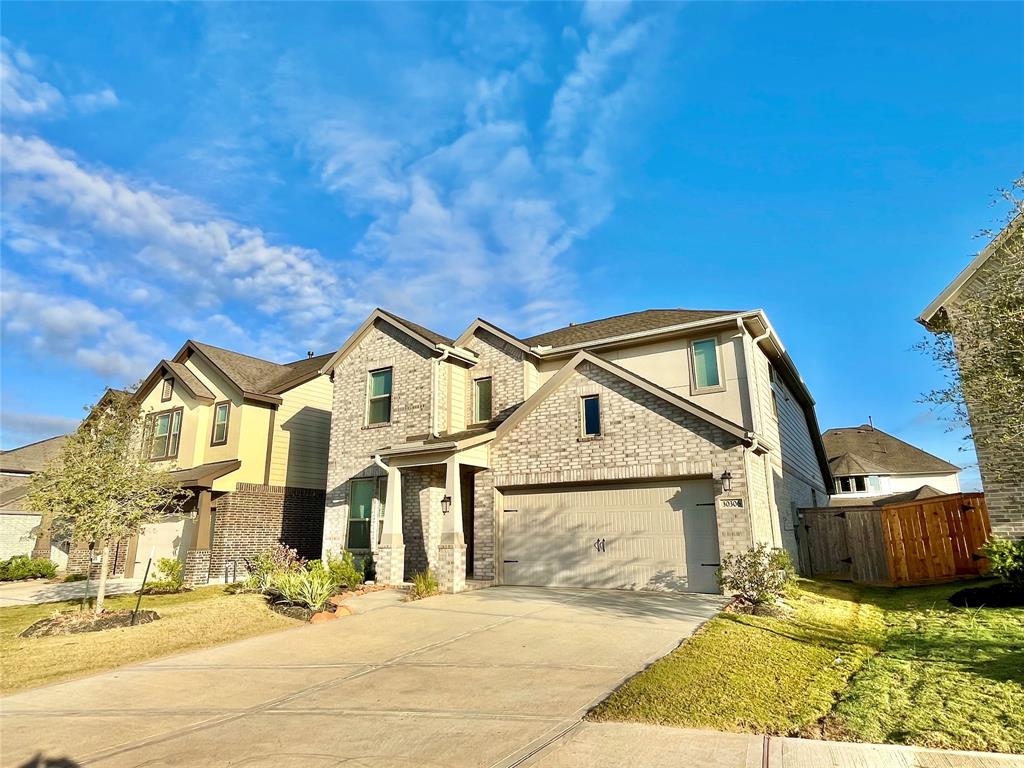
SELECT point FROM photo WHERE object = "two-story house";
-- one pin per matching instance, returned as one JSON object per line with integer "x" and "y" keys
{"x": 628, "y": 452}
{"x": 870, "y": 466}
{"x": 249, "y": 438}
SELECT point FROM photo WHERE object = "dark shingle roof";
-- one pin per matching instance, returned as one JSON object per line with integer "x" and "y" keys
{"x": 189, "y": 379}
{"x": 620, "y": 325}
{"x": 31, "y": 457}
{"x": 852, "y": 464}
{"x": 877, "y": 448}
{"x": 13, "y": 497}
{"x": 432, "y": 336}
{"x": 255, "y": 375}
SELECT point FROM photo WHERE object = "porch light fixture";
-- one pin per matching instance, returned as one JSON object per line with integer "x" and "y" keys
{"x": 446, "y": 505}
{"x": 726, "y": 479}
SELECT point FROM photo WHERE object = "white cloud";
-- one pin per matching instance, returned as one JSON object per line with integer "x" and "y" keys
{"x": 75, "y": 330}
{"x": 94, "y": 101}
{"x": 22, "y": 94}
{"x": 22, "y": 428}
{"x": 604, "y": 13}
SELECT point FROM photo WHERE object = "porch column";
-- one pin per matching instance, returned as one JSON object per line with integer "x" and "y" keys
{"x": 390, "y": 556}
{"x": 197, "y": 559}
{"x": 451, "y": 554}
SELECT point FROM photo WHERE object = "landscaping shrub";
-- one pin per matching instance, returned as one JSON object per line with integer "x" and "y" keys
{"x": 759, "y": 576}
{"x": 344, "y": 571}
{"x": 264, "y": 566}
{"x": 169, "y": 577}
{"x": 1006, "y": 560}
{"x": 424, "y": 584}
{"x": 310, "y": 588}
{"x": 22, "y": 567}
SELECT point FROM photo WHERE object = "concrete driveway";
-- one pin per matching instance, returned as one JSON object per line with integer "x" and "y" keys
{"x": 484, "y": 678}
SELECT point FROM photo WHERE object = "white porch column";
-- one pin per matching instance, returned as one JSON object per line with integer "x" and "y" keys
{"x": 451, "y": 553}
{"x": 390, "y": 557}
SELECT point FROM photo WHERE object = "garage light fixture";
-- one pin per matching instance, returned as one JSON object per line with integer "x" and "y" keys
{"x": 446, "y": 505}
{"x": 726, "y": 479}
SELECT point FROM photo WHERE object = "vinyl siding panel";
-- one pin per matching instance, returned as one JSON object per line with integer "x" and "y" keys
{"x": 302, "y": 432}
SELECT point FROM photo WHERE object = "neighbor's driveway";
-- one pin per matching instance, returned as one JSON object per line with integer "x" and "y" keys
{"x": 477, "y": 679}
{"x": 40, "y": 591}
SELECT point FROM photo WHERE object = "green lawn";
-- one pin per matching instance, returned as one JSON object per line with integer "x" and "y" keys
{"x": 898, "y": 666}
{"x": 204, "y": 617}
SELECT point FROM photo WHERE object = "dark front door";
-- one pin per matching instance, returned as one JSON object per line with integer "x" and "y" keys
{"x": 468, "y": 475}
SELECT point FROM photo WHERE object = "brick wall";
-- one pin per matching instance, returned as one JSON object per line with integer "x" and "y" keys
{"x": 643, "y": 437}
{"x": 1002, "y": 469}
{"x": 253, "y": 518}
{"x": 352, "y": 443}
{"x": 422, "y": 491}
{"x": 503, "y": 362}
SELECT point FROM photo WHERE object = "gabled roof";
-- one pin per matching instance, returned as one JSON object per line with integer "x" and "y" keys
{"x": 581, "y": 357}
{"x": 255, "y": 377}
{"x": 429, "y": 335}
{"x": 622, "y": 325}
{"x": 499, "y": 332}
{"x": 852, "y": 464}
{"x": 931, "y": 316}
{"x": 885, "y": 453}
{"x": 32, "y": 457}
{"x": 924, "y": 492}
{"x": 180, "y": 373}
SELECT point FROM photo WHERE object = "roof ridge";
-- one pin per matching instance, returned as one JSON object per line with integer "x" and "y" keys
{"x": 35, "y": 442}
{"x": 634, "y": 312}
{"x": 235, "y": 352}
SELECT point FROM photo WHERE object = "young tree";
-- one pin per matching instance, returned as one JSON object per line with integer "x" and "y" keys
{"x": 101, "y": 487}
{"x": 980, "y": 347}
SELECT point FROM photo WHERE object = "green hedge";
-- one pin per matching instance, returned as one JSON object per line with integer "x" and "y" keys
{"x": 22, "y": 567}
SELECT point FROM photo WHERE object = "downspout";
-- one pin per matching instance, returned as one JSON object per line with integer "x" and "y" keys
{"x": 376, "y": 459}
{"x": 433, "y": 390}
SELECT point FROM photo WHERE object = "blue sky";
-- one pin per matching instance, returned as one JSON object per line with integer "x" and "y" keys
{"x": 260, "y": 176}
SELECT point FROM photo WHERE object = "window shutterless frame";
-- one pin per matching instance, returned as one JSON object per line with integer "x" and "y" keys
{"x": 590, "y": 415}
{"x": 378, "y": 396}
{"x": 706, "y": 365}
{"x": 482, "y": 389}
{"x": 221, "y": 418}
{"x": 162, "y": 434}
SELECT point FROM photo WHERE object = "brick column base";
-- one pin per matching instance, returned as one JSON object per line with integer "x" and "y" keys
{"x": 451, "y": 567}
{"x": 389, "y": 563}
{"x": 197, "y": 566}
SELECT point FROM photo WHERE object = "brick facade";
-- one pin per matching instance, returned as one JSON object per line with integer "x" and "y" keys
{"x": 422, "y": 491}
{"x": 503, "y": 362}
{"x": 253, "y": 518}
{"x": 1002, "y": 469}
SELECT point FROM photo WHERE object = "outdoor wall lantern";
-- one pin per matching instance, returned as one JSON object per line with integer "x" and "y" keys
{"x": 726, "y": 481}
{"x": 446, "y": 505}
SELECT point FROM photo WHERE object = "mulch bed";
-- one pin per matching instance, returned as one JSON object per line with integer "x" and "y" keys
{"x": 305, "y": 614}
{"x": 291, "y": 611}
{"x": 74, "y": 622}
{"x": 1002, "y": 595}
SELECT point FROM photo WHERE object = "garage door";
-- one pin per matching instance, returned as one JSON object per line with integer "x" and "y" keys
{"x": 650, "y": 536}
{"x": 168, "y": 538}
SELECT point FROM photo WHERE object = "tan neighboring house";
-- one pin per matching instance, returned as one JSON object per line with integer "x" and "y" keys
{"x": 249, "y": 438}
{"x": 1002, "y": 469}
{"x": 629, "y": 452}
{"x": 870, "y": 466}
{"x": 18, "y": 525}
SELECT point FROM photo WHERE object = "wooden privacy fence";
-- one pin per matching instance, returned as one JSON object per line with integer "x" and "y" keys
{"x": 915, "y": 542}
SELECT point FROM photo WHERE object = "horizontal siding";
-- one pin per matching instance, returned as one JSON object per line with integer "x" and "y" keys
{"x": 302, "y": 434}
{"x": 797, "y": 446}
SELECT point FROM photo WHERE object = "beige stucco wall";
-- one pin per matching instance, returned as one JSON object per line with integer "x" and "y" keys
{"x": 302, "y": 434}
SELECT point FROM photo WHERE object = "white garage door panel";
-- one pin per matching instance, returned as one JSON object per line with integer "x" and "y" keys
{"x": 168, "y": 538}
{"x": 652, "y": 536}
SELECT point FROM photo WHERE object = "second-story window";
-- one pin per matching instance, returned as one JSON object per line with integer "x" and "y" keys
{"x": 168, "y": 389}
{"x": 482, "y": 399}
{"x": 221, "y": 415}
{"x": 378, "y": 407}
{"x": 705, "y": 364}
{"x": 591, "y": 415}
{"x": 163, "y": 431}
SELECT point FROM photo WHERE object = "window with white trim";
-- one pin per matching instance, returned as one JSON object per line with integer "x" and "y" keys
{"x": 705, "y": 364}
{"x": 482, "y": 399}
{"x": 162, "y": 433}
{"x": 591, "y": 415}
{"x": 378, "y": 405}
{"x": 221, "y": 414}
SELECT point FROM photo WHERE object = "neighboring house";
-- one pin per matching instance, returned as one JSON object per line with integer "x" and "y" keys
{"x": 870, "y": 466}
{"x": 1002, "y": 468}
{"x": 19, "y": 526}
{"x": 249, "y": 438}
{"x": 629, "y": 452}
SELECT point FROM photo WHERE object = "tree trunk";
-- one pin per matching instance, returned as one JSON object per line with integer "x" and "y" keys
{"x": 101, "y": 589}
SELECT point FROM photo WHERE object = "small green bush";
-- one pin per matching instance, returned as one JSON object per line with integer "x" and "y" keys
{"x": 345, "y": 573}
{"x": 266, "y": 565}
{"x": 759, "y": 575}
{"x": 310, "y": 588}
{"x": 424, "y": 584}
{"x": 170, "y": 577}
{"x": 1006, "y": 560}
{"x": 22, "y": 567}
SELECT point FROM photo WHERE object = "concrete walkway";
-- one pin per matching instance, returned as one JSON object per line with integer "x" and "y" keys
{"x": 612, "y": 745}
{"x": 41, "y": 591}
{"x": 483, "y": 678}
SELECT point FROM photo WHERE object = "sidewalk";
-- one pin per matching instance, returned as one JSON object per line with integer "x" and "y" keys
{"x": 611, "y": 745}
{"x": 39, "y": 591}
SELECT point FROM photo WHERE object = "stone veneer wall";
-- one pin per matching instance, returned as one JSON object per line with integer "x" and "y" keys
{"x": 253, "y": 518}
{"x": 643, "y": 437}
{"x": 352, "y": 443}
{"x": 1002, "y": 470}
{"x": 503, "y": 362}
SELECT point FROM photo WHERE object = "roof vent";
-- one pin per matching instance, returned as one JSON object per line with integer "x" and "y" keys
{"x": 571, "y": 325}
{"x": 309, "y": 354}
